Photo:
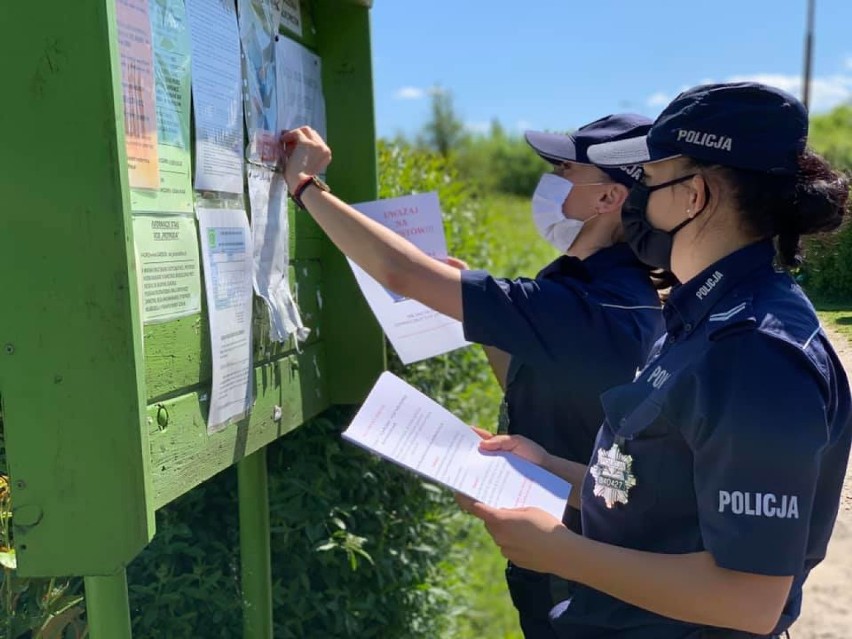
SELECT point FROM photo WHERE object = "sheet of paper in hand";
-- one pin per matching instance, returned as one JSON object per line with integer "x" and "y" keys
{"x": 403, "y": 425}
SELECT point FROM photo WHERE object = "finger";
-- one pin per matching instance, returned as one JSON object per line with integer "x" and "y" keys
{"x": 486, "y": 513}
{"x": 293, "y": 136}
{"x": 314, "y": 137}
{"x": 484, "y": 434}
{"x": 499, "y": 442}
{"x": 464, "y": 502}
{"x": 457, "y": 263}
{"x": 475, "y": 508}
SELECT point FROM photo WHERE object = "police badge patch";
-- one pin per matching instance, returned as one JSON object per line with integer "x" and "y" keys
{"x": 613, "y": 474}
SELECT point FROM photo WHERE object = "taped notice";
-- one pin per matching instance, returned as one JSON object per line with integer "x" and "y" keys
{"x": 168, "y": 262}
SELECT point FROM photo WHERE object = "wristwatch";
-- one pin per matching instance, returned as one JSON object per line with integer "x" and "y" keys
{"x": 296, "y": 195}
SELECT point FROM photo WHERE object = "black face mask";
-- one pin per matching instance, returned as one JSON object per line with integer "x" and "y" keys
{"x": 651, "y": 245}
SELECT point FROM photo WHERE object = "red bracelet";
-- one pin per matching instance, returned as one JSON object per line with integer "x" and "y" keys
{"x": 296, "y": 195}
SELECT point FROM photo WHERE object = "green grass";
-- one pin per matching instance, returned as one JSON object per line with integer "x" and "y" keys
{"x": 837, "y": 316}
{"x": 484, "y": 608}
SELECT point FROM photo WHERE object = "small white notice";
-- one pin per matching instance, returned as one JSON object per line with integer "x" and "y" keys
{"x": 300, "y": 97}
{"x": 416, "y": 331}
{"x": 227, "y": 257}
{"x": 291, "y": 15}
{"x": 405, "y": 426}
{"x": 167, "y": 258}
{"x": 216, "y": 95}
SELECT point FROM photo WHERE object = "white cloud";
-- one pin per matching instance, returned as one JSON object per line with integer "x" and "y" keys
{"x": 524, "y": 125}
{"x": 827, "y": 91}
{"x": 847, "y": 63}
{"x": 409, "y": 93}
{"x": 417, "y": 93}
{"x": 659, "y": 99}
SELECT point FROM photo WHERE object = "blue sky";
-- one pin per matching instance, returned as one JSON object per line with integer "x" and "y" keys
{"x": 557, "y": 64}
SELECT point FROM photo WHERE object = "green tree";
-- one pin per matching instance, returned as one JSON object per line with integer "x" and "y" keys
{"x": 444, "y": 131}
{"x": 827, "y": 273}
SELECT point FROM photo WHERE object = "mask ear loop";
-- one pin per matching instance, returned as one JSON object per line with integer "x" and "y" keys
{"x": 697, "y": 213}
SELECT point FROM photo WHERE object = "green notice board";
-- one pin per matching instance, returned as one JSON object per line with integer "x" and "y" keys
{"x": 104, "y": 416}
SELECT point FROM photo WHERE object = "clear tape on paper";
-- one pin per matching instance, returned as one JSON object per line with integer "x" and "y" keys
{"x": 270, "y": 232}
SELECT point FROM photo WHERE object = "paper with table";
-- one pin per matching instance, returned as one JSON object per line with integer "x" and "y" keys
{"x": 416, "y": 331}
{"x": 226, "y": 250}
{"x": 403, "y": 425}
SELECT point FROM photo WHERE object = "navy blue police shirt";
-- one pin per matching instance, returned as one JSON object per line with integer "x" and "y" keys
{"x": 578, "y": 328}
{"x": 739, "y": 433}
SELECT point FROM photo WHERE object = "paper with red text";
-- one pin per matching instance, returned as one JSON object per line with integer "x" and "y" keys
{"x": 403, "y": 425}
{"x": 416, "y": 331}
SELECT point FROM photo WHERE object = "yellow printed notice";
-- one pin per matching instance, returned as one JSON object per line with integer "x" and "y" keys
{"x": 403, "y": 425}
{"x": 137, "y": 80}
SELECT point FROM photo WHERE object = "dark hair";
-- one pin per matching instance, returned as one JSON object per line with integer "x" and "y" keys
{"x": 789, "y": 206}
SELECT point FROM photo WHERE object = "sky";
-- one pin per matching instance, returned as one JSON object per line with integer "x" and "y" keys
{"x": 558, "y": 64}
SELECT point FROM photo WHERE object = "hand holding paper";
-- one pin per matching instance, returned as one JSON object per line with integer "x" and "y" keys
{"x": 528, "y": 537}
{"x": 401, "y": 424}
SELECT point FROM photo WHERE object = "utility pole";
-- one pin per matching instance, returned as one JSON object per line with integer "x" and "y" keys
{"x": 809, "y": 45}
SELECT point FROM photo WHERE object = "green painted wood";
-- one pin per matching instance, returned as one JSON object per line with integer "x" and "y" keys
{"x": 355, "y": 347}
{"x": 71, "y": 372}
{"x": 177, "y": 353}
{"x": 255, "y": 550}
{"x": 107, "y": 606}
{"x": 182, "y": 453}
{"x": 308, "y": 37}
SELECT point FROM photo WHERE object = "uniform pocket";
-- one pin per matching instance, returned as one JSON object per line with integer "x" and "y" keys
{"x": 641, "y": 436}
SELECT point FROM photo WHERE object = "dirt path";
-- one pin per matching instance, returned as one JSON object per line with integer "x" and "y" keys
{"x": 827, "y": 610}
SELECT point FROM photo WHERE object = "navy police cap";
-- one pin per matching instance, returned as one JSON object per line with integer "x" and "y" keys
{"x": 556, "y": 148}
{"x": 745, "y": 125}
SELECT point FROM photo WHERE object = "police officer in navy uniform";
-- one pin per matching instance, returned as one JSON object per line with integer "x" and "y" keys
{"x": 716, "y": 476}
{"x": 584, "y": 324}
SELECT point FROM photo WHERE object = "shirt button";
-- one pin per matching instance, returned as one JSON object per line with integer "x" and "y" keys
{"x": 623, "y": 421}
{"x": 687, "y": 328}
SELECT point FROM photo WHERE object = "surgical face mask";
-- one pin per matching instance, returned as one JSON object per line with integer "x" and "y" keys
{"x": 547, "y": 201}
{"x": 650, "y": 244}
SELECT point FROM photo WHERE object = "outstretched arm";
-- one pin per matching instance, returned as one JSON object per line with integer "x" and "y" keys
{"x": 392, "y": 260}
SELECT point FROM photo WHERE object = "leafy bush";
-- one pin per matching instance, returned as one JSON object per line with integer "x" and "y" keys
{"x": 500, "y": 163}
{"x": 827, "y": 272}
{"x": 355, "y": 545}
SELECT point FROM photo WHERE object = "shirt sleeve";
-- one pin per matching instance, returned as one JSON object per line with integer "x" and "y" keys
{"x": 522, "y": 316}
{"x": 757, "y": 437}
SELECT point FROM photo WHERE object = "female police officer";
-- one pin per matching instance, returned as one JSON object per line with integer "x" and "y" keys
{"x": 582, "y": 325}
{"x": 717, "y": 473}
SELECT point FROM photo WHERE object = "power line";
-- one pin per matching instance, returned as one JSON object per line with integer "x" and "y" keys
{"x": 809, "y": 45}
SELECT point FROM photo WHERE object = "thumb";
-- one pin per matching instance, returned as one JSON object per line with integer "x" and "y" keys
{"x": 457, "y": 263}
{"x": 499, "y": 442}
{"x": 483, "y": 434}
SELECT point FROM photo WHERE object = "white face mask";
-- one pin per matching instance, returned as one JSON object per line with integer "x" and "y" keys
{"x": 552, "y": 225}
